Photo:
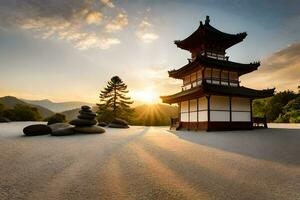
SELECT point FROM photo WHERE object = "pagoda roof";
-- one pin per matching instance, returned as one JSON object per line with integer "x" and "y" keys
{"x": 211, "y": 89}
{"x": 241, "y": 68}
{"x": 207, "y": 34}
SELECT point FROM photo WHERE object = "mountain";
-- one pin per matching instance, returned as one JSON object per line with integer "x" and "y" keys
{"x": 57, "y": 107}
{"x": 10, "y": 102}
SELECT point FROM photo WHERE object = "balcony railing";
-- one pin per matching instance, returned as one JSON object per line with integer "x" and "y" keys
{"x": 211, "y": 80}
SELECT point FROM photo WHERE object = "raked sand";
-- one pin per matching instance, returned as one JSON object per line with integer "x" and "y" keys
{"x": 151, "y": 163}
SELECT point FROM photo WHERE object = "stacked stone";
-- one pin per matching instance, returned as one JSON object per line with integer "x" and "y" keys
{"x": 85, "y": 122}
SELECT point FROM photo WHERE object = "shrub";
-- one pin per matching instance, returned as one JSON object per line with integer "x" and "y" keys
{"x": 56, "y": 118}
{"x": 22, "y": 112}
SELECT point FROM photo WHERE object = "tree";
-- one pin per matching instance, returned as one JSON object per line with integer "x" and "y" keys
{"x": 56, "y": 118}
{"x": 114, "y": 101}
{"x": 22, "y": 113}
{"x": 1, "y": 109}
{"x": 277, "y": 102}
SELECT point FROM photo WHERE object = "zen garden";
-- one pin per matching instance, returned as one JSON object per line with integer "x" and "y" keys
{"x": 217, "y": 126}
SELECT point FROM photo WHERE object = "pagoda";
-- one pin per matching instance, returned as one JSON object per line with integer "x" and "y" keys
{"x": 211, "y": 97}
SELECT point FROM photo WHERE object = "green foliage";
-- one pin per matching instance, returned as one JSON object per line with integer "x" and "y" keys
{"x": 114, "y": 102}
{"x": 291, "y": 112}
{"x": 275, "y": 105}
{"x": 259, "y": 107}
{"x": 283, "y": 107}
{"x": 22, "y": 113}
{"x": 1, "y": 109}
{"x": 56, "y": 118}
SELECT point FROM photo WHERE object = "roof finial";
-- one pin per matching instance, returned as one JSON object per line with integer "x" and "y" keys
{"x": 207, "y": 20}
{"x": 201, "y": 24}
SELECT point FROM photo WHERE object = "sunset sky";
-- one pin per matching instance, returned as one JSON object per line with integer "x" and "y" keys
{"x": 66, "y": 50}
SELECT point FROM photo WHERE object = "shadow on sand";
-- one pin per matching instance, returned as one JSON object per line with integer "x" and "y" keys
{"x": 273, "y": 144}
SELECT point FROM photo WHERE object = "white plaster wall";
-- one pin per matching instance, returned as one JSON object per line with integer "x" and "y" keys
{"x": 184, "y": 117}
{"x": 202, "y": 116}
{"x": 220, "y": 116}
{"x": 202, "y": 103}
{"x": 219, "y": 103}
{"x": 193, "y": 116}
{"x": 184, "y": 106}
{"x": 240, "y": 104}
{"x": 241, "y": 116}
{"x": 193, "y": 105}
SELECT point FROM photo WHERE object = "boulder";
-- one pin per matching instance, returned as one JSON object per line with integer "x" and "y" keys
{"x": 56, "y": 126}
{"x": 85, "y": 108}
{"x": 86, "y": 115}
{"x": 118, "y": 123}
{"x": 103, "y": 124}
{"x": 89, "y": 129}
{"x": 37, "y": 129}
{"x": 83, "y": 122}
{"x": 112, "y": 125}
{"x": 63, "y": 131}
{"x": 4, "y": 119}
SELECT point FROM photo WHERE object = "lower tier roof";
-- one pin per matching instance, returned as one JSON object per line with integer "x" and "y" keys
{"x": 211, "y": 89}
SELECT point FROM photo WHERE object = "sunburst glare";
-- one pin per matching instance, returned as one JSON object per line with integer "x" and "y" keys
{"x": 147, "y": 95}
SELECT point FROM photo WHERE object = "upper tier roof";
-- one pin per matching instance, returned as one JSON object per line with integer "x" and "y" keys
{"x": 213, "y": 63}
{"x": 210, "y": 89}
{"x": 208, "y": 37}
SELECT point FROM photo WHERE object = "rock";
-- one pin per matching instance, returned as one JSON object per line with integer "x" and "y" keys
{"x": 112, "y": 125}
{"x": 103, "y": 124}
{"x": 56, "y": 126}
{"x": 63, "y": 131}
{"x": 87, "y": 113}
{"x": 85, "y": 108}
{"x": 4, "y": 119}
{"x": 83, "y": 122}
{"x": 85, "y": 117}
{"x": 89, "y": 129}
{"x": 37, "y": 129}
{"x": 118, "y": 123}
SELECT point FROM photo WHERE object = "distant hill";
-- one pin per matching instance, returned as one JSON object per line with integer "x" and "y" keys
{"x": 10, "y": 102}
{"x": 57, "y": 107}
{"x": 144, "y": 115}
{"x": 154, "y": 115}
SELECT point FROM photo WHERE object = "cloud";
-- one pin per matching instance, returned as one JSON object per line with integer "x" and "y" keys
{"x": 145, "y": 32}
{"x": 117, "y": 24}
{"x": 108, "y": 3}
{"x": 79, "y": 22}
{"x": 280, "y": 70}
{"x": 94, "y": 17}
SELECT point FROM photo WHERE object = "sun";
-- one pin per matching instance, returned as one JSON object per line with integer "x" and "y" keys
{"x": 147, "y": 96}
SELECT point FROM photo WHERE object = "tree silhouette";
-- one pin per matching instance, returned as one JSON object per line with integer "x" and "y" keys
{"x": 114, "y": 101}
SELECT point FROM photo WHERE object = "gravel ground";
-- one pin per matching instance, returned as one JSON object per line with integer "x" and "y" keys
{"x": 151, "y": 163}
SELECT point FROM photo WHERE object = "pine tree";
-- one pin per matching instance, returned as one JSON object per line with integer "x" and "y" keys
{"x": 114, "y": 101}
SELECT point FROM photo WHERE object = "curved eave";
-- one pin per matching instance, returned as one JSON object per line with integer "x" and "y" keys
{"x": 210, "y": 89}
{"x": 206, "y": 33}
{"x": 241, "y": 68}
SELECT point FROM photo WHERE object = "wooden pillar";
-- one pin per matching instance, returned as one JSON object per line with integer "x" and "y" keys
{"x": 228, "y": 78}
{"x": 230, "y": 109}
{"x": 197, "y": 113}
{"x": 230, "y": 112}
{"x": 251, "y": 113}
{"x": 208, "y": 112}
{"x": 179, "y": 112}
{"x": 220, "y": 77}
{"x": 189, "y": 111}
